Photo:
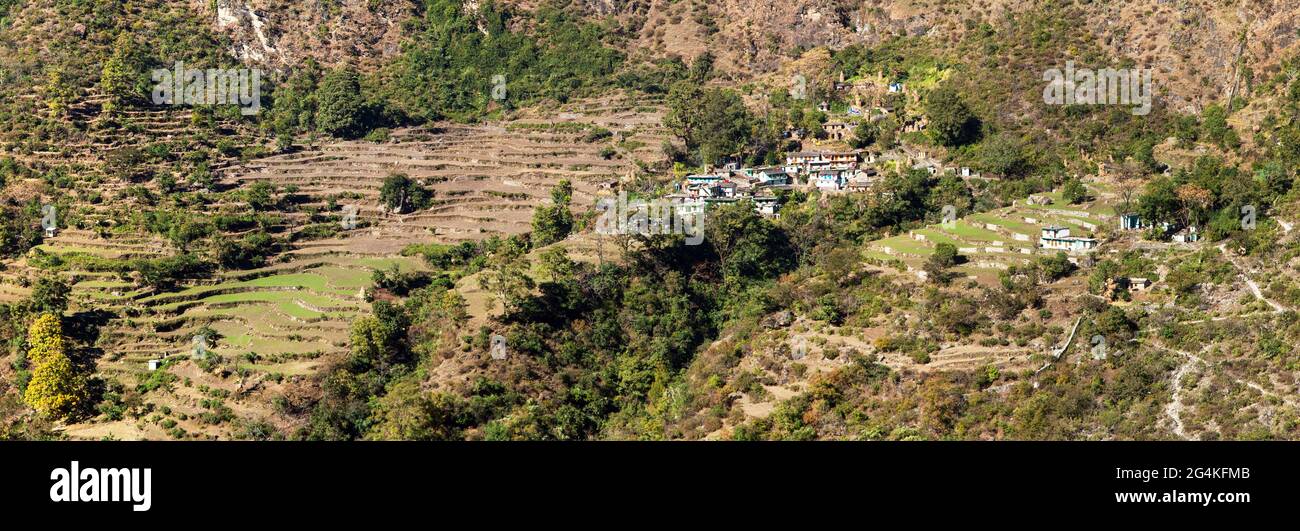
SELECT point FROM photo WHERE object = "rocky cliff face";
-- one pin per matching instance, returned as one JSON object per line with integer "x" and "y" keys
{"x": 1197, "y": 47}
{"x": 282, "y": 33}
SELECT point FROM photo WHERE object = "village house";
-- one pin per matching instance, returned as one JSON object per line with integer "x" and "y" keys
{"x": 1130, "y": 222}
{"x": 842, "y": 158}
{"x": 838, "y": 131}
{"x": 863, "y": 180}
{"x": 1118, "y": 285}
{"x": 773, "y": 177}
{"x": 703, "y": 179}
{"x": 766, "y": 205}
{"x": 723, "y": 189}
{"x": 810, "y": 162}
{"x": 1187, "y": 235}
{"x": 1138, "y": 284}
{"x": 1057, "y": 237}
{"x": 831, "y": 180}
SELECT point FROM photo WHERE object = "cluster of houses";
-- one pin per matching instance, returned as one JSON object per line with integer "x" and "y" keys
{"x": 828, "y": 171}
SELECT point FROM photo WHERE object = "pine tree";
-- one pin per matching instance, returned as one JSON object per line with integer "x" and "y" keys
{"x": 118, "y": 77}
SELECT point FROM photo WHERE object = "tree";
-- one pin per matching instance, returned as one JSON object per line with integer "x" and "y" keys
{"x": 58, "y": 92}
{"x": 951, "y": 121}
{"x": 261, "y": 196}
{"x": 121, "y": 73}
{"x": 341, "y": 109}
{"x": 554, "y": 222}
{"x": 749, "y": 245}
{"x": 713, "y": 123}
{"x": 1074, "y": 192}
{"x": 1055, "y": 267}
{"x": 409, "y": 413}
{"x": 506, "y": 275}
{"x": 702, "y": 68}
{"x": 49, "y": 295}
{"x": 944, "y": 257}
{"x": 379, "y": 341}
{"x": 1005, "y": 155}
{"x": 56, "y": 390}
{"x": 1194, "y": 200}
{"x": 1159, "y": 203}
{"x": 399, "y": 192}
{"x": 864, "y": 135}
{"x": 557, "y": 263}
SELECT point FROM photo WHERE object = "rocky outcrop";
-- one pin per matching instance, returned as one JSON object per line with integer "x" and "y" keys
{"x": 282, "y": 33}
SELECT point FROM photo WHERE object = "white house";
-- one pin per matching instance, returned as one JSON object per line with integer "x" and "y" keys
{"x": 1187, "y": 235}
{"x": 766, "y": 205}
{"x": 1130, "y": 222}
{"x": 773, "y": 177}
{"x": 831, "y": 180}
{"x": 1057, "y": 237}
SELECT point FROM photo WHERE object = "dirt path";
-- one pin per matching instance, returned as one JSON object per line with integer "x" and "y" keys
{"x": 1254, "y": 288}
{"x": 1175, "y": 407}
{"x": 1056, "y": 354}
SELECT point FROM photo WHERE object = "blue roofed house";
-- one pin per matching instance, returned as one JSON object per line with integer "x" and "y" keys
{"x": 705, "y": 179}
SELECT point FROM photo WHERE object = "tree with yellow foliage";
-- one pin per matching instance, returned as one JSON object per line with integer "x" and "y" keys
{"x": 55, "y": 390}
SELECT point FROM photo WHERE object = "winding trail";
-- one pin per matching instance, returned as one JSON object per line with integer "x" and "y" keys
{"x": 1175, "y": 407}
{"x": 1245, "y": 274}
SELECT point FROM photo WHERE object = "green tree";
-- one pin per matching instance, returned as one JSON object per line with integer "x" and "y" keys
{"x": 507, "y": 274}
{"x": 554, "y": 222}
{"x": 1074, "y": 192}
{"x": 49, "y": 295}
{"x": 713, "y": 123}
{"x": 58, "y": 92}
{"x": 864, "y": 135}
{"x": 936, "y": 266}
{"x": 748, "y": 245}
{"x": 951, "y": 122}
{"x": 341, "y": 110}
{"x": 121, "y": 74}
{"x": 379, "y": 341}
{"x": 400, "y": 193}
{"x": 1055, "y": 267}
{"x": 557, "y": 263}
{"x": 1005, "y": 155}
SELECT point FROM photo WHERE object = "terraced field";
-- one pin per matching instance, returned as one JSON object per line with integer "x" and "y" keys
{"x": 291, "y": 318}
{"x": 993, "y": 240}
{"x": 486, "y": 178}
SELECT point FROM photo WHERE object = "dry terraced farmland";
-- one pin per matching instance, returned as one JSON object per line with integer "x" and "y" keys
{"x": 291, "y": 318}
